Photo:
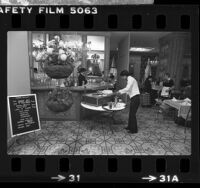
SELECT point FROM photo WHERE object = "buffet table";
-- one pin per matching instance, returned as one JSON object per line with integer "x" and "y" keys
{"x": 75, "y": 113}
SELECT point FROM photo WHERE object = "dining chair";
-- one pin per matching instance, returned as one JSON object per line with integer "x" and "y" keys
{"x": 158, "y": 105}
{"x": 186, "y": 116}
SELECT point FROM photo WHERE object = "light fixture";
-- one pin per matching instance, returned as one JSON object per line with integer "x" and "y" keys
{"x": 90, "y": 69}
{"x": 154, "y": 62}
{"x": 141, "y": 49}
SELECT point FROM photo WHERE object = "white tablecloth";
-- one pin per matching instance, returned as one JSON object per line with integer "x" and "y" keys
{"x": 182, "y": 107}
{"x": 120, "y": 106}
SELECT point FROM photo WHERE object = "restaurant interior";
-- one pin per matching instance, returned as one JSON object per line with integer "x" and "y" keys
{"x": 76, "y": 114}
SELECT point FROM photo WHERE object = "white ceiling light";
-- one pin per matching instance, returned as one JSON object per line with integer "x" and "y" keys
{"x": 138, "y": 49}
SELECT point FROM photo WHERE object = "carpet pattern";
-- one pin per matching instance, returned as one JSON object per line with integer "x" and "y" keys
{"x": 98, "y": 136}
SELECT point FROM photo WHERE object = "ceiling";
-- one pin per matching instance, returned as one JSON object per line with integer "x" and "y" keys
{"x": 138, "y": 39}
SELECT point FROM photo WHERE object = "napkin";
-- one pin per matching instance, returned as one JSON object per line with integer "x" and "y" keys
{"x": 185, "y": 103}
{"x": 107, "y": 92}
{"x": 187, "y": 100}
{"x": 174, "y": 99}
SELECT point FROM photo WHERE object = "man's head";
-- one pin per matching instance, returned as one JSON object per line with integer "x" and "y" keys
{"x": 150, "y": 78}
{"x": 124, "y": 74}
{"x": 112, "y": 76}
{"x": 35, "y": 70}
{"x": 82, "y": 71}
{"x": 167, "y": 76}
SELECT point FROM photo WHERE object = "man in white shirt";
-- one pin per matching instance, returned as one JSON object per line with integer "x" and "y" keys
{"x": 133, "y": 91}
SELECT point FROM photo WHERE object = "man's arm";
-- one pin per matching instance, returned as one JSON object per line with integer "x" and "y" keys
{"x": 128, "y": 86}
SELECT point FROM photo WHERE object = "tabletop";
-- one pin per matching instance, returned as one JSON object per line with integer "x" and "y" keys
{"x": 120, "y": 106}
{"x": 182, "y": 106}
{"x": 177, "y": 104}
{"x": 157, "y": 88}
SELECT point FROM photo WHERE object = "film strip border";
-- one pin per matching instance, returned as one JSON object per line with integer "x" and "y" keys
{"x": 91, "y": 169}
{"x": 110, "y": 168}
{"x": 105, "y": 18}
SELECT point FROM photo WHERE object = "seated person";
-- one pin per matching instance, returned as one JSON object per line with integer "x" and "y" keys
{"x": 168, "y": 86}
{"x": 82, "y": 78}
{"x": 35, "y": 72}
{"x": 186, "y": 92}
{"x": 103, "y": 76}
{"x": 148, "y": 89}
{"x": 184, "y": 83}
{"x": 113, "y": 81}
{"x": 147, "y": 85}
{"x": 159, "y": 81}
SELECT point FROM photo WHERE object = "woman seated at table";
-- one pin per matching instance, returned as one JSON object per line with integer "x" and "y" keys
{"x": 148, "y": 88}
{"x": 185, "y": 82}
{"x": 147, "y": 85}
{"x": 112, "y": 80}
{"x": 82, "y": 77}
{"x": 168, "y": 86}
{"x": 186, "y": 92}
{"x": 166, "y": 93}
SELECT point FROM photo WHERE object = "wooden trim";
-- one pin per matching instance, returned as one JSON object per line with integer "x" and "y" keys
{"x": 30, "y": 36}
{"x": 76, "y": 32}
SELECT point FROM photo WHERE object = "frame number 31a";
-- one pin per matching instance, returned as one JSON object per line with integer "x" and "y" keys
{"x": 168, "y": 179}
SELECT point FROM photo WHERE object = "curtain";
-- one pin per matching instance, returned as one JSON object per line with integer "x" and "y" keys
{"x": 175, "y": 63}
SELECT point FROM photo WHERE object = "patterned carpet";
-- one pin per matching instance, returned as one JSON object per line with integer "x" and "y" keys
{"x": 98, "y": 136}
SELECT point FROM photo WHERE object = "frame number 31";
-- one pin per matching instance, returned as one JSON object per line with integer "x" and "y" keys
{"x": 74, "y": 178}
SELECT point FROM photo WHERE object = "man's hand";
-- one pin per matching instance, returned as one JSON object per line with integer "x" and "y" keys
{"x": 117, "y": 93}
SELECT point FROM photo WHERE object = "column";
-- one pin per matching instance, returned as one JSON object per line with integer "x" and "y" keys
{"x": 107, "y": 56}
{"x": 84, "y": 61}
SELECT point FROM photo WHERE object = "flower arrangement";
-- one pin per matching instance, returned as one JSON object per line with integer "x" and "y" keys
{"x": 95, "y": 58}
{"x": 59, "y": 100}
{"x": 58, "y": 57}
{"x": 95, "y": 65}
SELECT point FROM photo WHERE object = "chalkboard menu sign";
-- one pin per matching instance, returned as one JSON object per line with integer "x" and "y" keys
{"x": 23, "y": 114}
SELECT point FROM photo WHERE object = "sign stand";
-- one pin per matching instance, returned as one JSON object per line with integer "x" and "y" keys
{"x": 24, "y": 116}
{"x": 35, "y": 141}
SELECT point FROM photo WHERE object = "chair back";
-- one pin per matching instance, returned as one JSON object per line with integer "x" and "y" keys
{"x": 185, "y": 112}
{"x": 165, "y": 92}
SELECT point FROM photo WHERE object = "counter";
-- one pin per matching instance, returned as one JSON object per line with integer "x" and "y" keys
{"x": 76, "y": 112}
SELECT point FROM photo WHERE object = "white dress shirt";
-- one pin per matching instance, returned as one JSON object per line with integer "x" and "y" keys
{"x": 131, "y": 88}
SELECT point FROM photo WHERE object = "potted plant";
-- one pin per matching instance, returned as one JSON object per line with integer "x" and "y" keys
{"x": 59, "y": 100}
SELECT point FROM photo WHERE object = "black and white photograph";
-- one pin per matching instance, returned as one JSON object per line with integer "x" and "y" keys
{"x": 99, "y": 93}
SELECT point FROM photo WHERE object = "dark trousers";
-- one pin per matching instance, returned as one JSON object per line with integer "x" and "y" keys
{"x": 132, "y": 121}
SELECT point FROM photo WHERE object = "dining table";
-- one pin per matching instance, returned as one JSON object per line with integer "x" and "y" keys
{"x": 157, "y": 87}
{"x": 106, "y": 108}
{"x": 182, "y": 106}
